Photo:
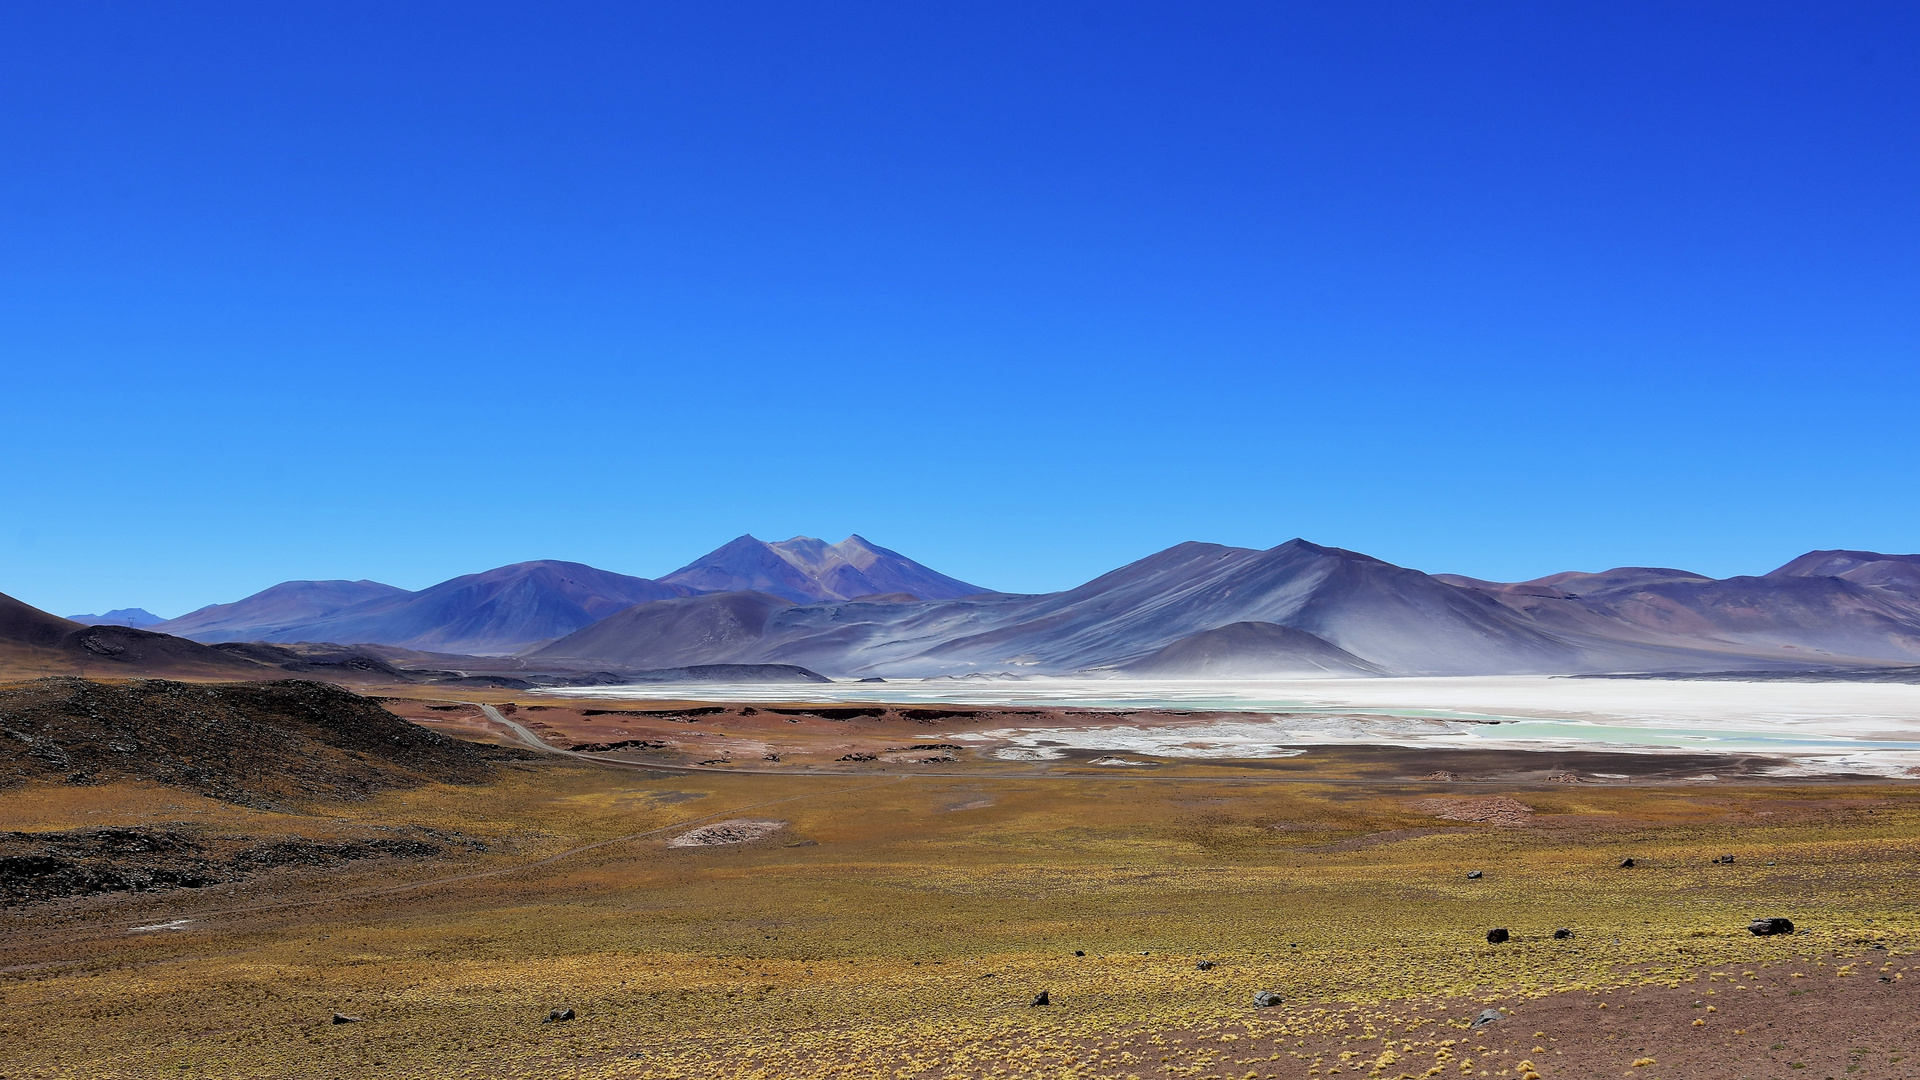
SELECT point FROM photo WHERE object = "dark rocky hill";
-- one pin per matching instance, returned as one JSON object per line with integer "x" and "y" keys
{"x": 252, "y": 744}
{"x": 35, "y": 643}
{"x": 1249, "y": 650}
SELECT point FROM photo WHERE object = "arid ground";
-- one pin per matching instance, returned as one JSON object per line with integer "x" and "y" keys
{"x": 884, "y": 900}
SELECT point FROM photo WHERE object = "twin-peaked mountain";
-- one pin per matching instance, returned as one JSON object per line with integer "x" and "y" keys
{"x": 804, "y": 570}
{"x": 1194, "y": 610}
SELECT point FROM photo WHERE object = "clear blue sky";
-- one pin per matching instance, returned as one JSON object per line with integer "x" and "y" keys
{"x": 1024, "y": 290}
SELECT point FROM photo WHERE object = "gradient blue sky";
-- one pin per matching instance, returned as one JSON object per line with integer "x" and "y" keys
{"x": 1025, "y": 291}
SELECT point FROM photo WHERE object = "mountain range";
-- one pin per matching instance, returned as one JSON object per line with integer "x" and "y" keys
{"x": 1205, "y": 610}
{"x": 1195, "y": 610}
{"x": 509, "y": 608}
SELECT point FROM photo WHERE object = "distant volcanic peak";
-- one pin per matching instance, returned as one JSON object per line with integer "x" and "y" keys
{"x": 1299, "y": 545}
{"x": 140, "y": 618}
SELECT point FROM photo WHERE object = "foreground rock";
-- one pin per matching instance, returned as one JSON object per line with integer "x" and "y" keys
{"x": 720, "y": 833}
{"x": 1768, "y": 927}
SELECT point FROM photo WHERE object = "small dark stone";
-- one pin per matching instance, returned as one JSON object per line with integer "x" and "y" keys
{"x": 343, "y": 1018}
{"x": 1725, "y": 860}
{"x": 557, "y": 1015}
{"x": 1497, "y": 935}
{"x": 1079, "y": 952}
{"x": 1205, "y": 965}
{"x": 1266, "y": 999}
{"x": 1042, "y": 999}
{"x": 1471, "y": 874}
{"x": 1487, "y": 1017}
{"x": 1626, "y": 864}
{"x": 1562, "y": 934}
{"x": 1765, "y": 927}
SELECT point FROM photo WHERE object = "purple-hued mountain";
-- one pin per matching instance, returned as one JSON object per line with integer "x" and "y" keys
{"x": 804, "y": 570}
{"x": 1203, "y": 610}
{"x": 138, "y": 618}
{"x": 274, "y": 610}
{"x": 498, "y": 611}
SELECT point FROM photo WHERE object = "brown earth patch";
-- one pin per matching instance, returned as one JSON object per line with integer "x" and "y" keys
{"x": 1491, "y": 809}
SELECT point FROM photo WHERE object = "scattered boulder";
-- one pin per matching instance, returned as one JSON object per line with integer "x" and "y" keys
{"x": 1562, "y": 934}
{"x": 1767, "y": 927}
{"x": 1724, "y": 860}
{"x": 1564, "y": 778}
{"x": 343, "y": 1018}
{"x": 1626, "y": 864}
{"x": 1443, "y": 776}
{"x": 555, "y": 1016}
{"x": 1266, "y": 999}
{"x": 1473, "y": 875}
{"x": 1079, "y": 952}
{"x": 1041, "y": 998}
{"x": 735, "y": 831}
{"x": 1205, "y": 965}
{"x": 1497, "y": 935}
{"x": 1486, "y": 1017}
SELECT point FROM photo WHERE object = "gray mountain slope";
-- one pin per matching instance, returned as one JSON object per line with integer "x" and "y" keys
{"x": 804, "y": 570}
{"x": 498, "y": 611}
{"x": 271, "y": 610}
{"x": 1249, "y": 650}
{"x": 1781, "y": 618}
{"x": 713, "y": 628}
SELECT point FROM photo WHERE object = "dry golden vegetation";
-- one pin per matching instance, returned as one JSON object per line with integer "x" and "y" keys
{"x": 901, "y": 926}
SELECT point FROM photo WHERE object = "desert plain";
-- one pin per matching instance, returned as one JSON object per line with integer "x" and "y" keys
{"x": 802, "y": 889}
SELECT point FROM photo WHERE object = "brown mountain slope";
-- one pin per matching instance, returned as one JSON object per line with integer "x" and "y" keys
{"x": 34, "y": 643}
